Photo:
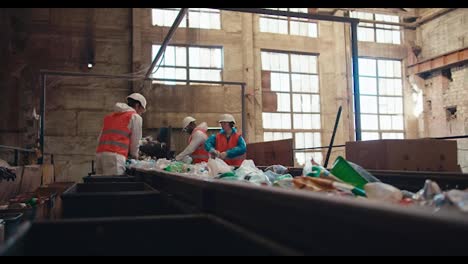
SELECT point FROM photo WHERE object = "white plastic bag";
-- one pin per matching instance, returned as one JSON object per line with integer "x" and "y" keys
{"x": 217, "y": 166}
{"x": 249, "y": 172}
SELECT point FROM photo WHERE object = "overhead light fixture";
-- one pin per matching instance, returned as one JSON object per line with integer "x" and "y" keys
{"x": 90, "y": 65}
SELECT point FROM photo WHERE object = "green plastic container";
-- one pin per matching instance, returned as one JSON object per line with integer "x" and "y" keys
{"x": 343, "y": 170}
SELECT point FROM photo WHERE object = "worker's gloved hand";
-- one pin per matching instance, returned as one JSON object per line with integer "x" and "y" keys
{"x": 223, "y": 155}
{"x": 214, "y": 153}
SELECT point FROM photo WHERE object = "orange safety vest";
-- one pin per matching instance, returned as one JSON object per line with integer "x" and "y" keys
{"x": 223, "y": 145}
{"x": 200, "y": 154}
{"x": 115, "y": 135}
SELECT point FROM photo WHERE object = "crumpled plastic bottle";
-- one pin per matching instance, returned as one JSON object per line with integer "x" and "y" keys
{"x": 383, "y": 192}
{"x": 459, "y": 198}
{"x": 278, "y": 169}
{"x": 428, "y": 192}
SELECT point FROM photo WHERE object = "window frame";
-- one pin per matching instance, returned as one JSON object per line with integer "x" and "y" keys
{"x": 378, "y": 96}
{"x": 187, "y": 62}
{"x": 374, "y": 27}
{"x": 289, "y": 19}
{"x": 187, "y": 19}
{"x": 293, "y": 130}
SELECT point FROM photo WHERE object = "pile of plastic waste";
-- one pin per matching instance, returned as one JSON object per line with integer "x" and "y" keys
{"x": 344, "y": 179}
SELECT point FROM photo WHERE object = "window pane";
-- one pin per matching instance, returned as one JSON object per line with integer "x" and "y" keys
{"x": 369, "y": 122}
{"x": 301, "y": 28}
{"x": 367, "y": 67}
{"x": 284, "y": 102}
{"x": 194, "y": 57}
{"x": 273, "y": 136}
{"x": 181, "y": 56}
{"x": 279, "y": 82}
{"x": 305, "y": 83}
{"x": 368, "y": 85}
{"x": 307, "y": 121}
{"x": 276, "y": 121}
{"x": 204, "y": 20}
{"x": 306, "y": 103}
{"x": 390, "y": 86}
{"x": 205, "y": 75}
{"x": 397, "y": 122}
{"x": 393, "y": 136}
{"x": 391, "y": 105}
{"x": 369, "y": 104}
{"x": 169, "y": 57}
{"x": 366, "y": 34}
{"x": 278, "y": 62}
{"x": 215, "y": 21}
{"x": 370, "y": 136}
{"x": 303, "y": 63}
{"x": 388, "y": 122}
{"x": 396, "y": 37}
{"x": 308, "y": 140}
{"x": 194, "y": 19}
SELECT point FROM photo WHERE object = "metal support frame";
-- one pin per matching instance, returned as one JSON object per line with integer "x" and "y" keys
{"x": 44, "y": 74}
{"x": 43, "y": 106}
{"x": 354, "y": 22}
{"x": 332, "y": 140}
{"x": 292, "y": 14}
{"x": 357, "y": 92}
{"x": 168, "y": 37}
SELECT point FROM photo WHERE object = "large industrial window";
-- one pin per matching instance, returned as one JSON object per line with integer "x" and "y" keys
{"x": 189, "y": 63}
{"x": 375, "y": 32}
{"x": 288, "y": 25}
{"x": 381, "y": 89}
{"x": 197, "y": 18}
{"x": 291, "y": 101}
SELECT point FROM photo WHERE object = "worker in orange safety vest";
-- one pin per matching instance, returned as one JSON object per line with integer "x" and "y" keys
{"x": 120, "y": 136}
{"x": 228, "y": 144}
{"x": 195, "y": 151}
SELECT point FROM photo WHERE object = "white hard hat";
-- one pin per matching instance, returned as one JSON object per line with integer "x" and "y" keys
{"x": 138, "y": 97}
{"x": 187, "y": 121}
{"x": 227, "y": 118}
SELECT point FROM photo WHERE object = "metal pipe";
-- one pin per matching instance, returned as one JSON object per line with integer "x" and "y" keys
{"x": 292, "y": 14}
{"x": 168, "y": 37}
{"x": 357, "y": 93}
{"x": 82, "y": 74}
{"x": 244, "y": 128}
{"x": 332, "y": 140}
{"x": 336, "y": 146}
{"x": 15, "y": 148}
{"x": 453, "y": 137}
{"x": 43, "y": 106}
{"x": 197, "y": 81}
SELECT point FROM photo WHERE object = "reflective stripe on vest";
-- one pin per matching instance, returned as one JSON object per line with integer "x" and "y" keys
{"x": 222, "y": 145}
{"x": 115, "y": 136}
{"x": 200, "y": 154}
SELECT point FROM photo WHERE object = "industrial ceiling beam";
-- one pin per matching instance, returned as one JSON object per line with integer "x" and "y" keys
{"x": 292, "y": 14}
{"x": 169, "y": 35}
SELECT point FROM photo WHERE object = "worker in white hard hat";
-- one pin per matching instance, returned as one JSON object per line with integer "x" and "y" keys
{"x": 120, "y": 136}
{"x": 196, "y": 147}
{"x": 228, "y": 144}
